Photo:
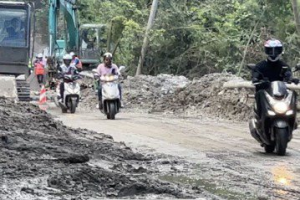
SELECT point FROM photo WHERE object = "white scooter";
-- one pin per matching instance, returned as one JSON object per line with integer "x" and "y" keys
{"x": 110, "y": 94}
{"x": 71, "y": 94}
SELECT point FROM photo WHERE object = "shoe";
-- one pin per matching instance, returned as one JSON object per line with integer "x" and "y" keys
{"x": 122, "y": 105}
{"x": 97, "y": 106}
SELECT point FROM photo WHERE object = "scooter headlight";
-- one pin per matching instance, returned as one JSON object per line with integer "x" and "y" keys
{"x": 281, "y": 107}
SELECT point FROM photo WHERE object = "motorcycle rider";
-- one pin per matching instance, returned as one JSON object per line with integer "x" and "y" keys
{"x": 107, "y": 68}
{"x": 66, "y": 68}
{"x": 76, "y": 61}
{"x": 271, "y": 69}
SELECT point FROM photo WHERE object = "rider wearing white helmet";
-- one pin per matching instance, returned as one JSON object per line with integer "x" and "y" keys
{"x": 107, "y": 68}
{"x": 66, "y": 68}
{"x": 76, "y": 61}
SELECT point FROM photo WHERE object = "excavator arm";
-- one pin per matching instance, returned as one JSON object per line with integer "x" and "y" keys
{"x": 86, "y": 42}
{"x": 71, "y": 34}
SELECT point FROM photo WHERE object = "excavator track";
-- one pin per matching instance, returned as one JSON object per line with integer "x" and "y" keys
{"x": 23, "y": 90}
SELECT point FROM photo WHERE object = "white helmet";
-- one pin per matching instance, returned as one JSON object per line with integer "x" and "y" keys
{"x": 72, "y": 53}
{"x": 67, "y": 57}
{"x": 40, "y": 55}
{"x": 107, "y": 54}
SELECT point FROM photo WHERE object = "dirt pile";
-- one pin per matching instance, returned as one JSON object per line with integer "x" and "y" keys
{"x": 138, "y": 92}
{"x": 143, "y": 91}
{"x": 43, "y": 159}
{"x": 206, "y": 96}
{"x": 177, "y": 94}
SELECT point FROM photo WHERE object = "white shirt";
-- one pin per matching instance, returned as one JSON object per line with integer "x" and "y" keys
{"x": 70, "y": 69}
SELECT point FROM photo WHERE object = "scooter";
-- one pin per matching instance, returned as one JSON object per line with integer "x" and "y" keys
{"x": 111, "y": 103}
{"x": 110, "y": 96}
{"x": 273, "y": 129}
{"x": 71, "y": 94}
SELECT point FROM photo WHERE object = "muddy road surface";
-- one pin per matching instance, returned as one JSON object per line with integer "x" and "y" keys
{"x": 42, "y": 158}
{"x": 224, "y": 160}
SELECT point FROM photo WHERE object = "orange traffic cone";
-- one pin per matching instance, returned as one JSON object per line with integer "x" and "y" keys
{"x": 43, "y": 99}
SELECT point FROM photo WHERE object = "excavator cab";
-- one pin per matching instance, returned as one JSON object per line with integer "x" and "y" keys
{"x": 92, "y": 43}
{"x": 15, "y": 29}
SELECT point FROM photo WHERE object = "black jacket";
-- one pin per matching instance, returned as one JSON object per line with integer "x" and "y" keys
{"x": 273, "y": 71}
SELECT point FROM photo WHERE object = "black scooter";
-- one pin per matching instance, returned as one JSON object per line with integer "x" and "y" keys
{"x": 273, "y": 129}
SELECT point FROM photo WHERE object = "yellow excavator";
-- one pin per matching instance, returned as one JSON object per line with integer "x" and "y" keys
{"x": 16, "y": 47}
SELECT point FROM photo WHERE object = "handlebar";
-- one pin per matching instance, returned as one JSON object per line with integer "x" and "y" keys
{"x": 69, "y": 76}
{"x": 293, "y": 80}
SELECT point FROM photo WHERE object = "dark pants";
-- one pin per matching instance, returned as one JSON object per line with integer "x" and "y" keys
{"x": 100, "y": 92}
{"x": 258, "y": 98}
{"x": 40, "y": 78}
{"x": 62, "y": 90}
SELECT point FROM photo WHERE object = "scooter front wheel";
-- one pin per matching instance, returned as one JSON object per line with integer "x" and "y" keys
{"x": 111, "y": 110}
{"x": 73, "y": 106}
{"x": 281, "y": 140}
{"x": 269, "y": 148}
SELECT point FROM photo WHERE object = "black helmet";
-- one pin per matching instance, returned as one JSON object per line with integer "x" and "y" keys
{"x": 273, "y": 48}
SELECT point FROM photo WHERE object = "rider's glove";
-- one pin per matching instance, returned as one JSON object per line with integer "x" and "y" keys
{"x": 295, "y": 80}
{"x": 255, "y": 80}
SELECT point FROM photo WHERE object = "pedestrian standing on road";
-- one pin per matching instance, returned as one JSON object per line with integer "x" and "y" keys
{"x": 39, "y": 69}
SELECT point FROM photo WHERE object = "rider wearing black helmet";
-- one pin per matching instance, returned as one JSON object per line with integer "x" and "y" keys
{"x": 272, "y": 69}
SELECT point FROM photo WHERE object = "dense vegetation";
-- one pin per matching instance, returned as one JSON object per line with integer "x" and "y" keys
{"x": 193, "y": 37}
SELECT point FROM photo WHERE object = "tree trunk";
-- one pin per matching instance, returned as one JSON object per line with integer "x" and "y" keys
{"x": 296, "y": 15}
{"x": 246, "y": 49}
{"x": 109, "y": 36}
{"x": 146, "y": 38}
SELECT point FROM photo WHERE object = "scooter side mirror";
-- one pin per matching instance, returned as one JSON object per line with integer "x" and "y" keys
{"x": 122, "y": 68}
{"x": 251, "y": 66}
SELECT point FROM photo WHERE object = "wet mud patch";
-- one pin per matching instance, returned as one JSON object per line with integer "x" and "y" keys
{"x": 241, "y": 175}
{"x": 43, "y": 159}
